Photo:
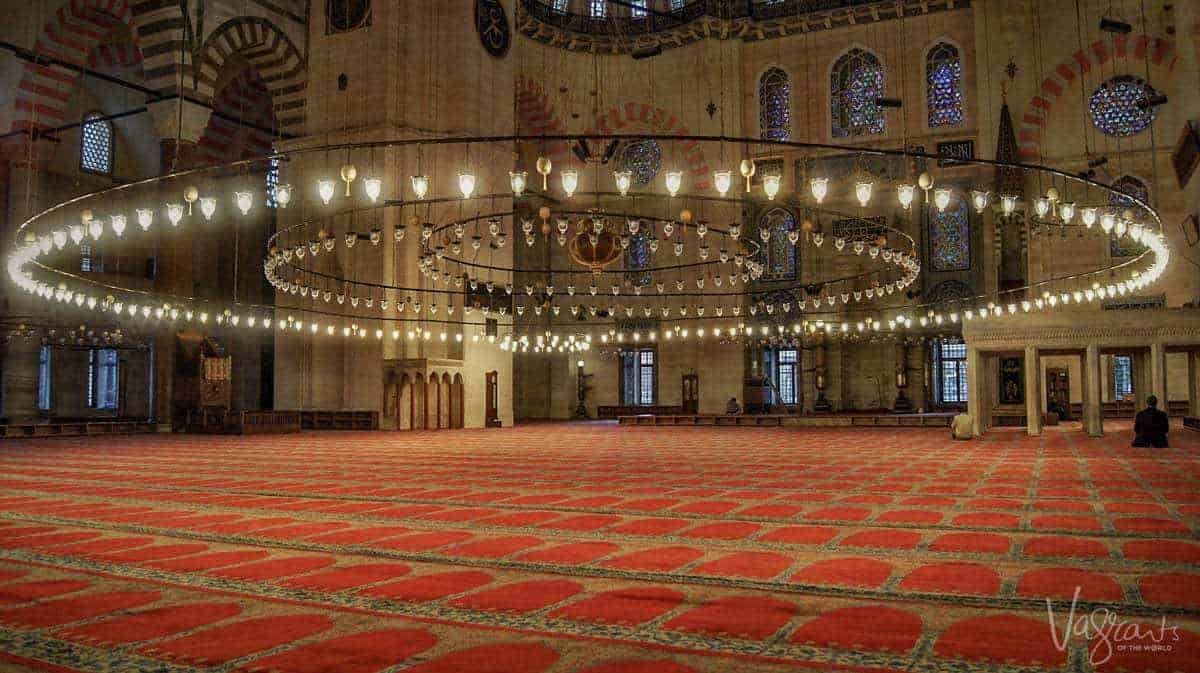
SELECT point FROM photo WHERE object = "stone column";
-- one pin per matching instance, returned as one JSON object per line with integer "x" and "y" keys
{"x": 902, "y": 404}
{"x": 1193, "y": 359}
{"x": 179, "y": 125}
{"x": 1093, "y": 415}
{"x": 1158, "y": 375}
{"x": 975, "y": 389}
{"x": 1033, "y": 392}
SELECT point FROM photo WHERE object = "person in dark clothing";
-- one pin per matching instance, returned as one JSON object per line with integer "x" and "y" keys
{"x": 1150, "y": 426}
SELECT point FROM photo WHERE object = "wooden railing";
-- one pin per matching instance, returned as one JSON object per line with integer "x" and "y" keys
{"x": 74, "y": 428}
{"x": 339, "y": 420}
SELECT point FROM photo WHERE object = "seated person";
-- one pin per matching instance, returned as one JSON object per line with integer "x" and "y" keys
{"x": 960, "y": 427}
{"x": 1150, "y": 426}
{"x": 732, "y": 409}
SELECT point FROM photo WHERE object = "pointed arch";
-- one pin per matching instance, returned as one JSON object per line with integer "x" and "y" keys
{"x": 944, "y": 85}
{"x": 271, "y": 53}
{"x": 856, "y": 80}
{"x": 774, "y": 104}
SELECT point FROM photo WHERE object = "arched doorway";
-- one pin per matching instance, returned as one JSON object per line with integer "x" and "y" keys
{"x": 456, "y": 401}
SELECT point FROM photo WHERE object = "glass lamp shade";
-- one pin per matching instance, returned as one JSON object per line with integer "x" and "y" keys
{"x": 906, "y": 194}
{"x": 1066, "y": 211}
{"x": 941, "y": 198}
{"x": 466, "y": 184}
{"x": 244, "y": 201}
{"x": 174, "y": 213}
{"x": 862, "y": 191}
{"x": 570, "y": 182}
{"x": 76, "y": 231}
{"x": 145, "y": 217}
{"x": 674, "y": 180}
{"x": 1008, "y": 204}
{"x": 117, "y": 222}
{"x": 420, "y": 186}
{"x": 623, "y": 180}
{"x": 722, "y": 180}
{"x": 208, "y": 206}
{"x": 979, "y": 199}
{"x": 771, "y": 185}
{"x": 819, "y": 188}
{"x": 373, "y": 187}
{"x": 1088, "y": 215}
{"x": 517, "y": 181}
{"x": 325, "y": 191}
{"x": 283, "y": 195}
{"x": 95, "y": 229}
{"x": 1041, "y": 206}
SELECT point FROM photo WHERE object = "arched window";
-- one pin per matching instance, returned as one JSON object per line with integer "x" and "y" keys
{"x": 1127, "y": 184}
{"x": 1115, "y": 106}
{"x": 950, "y": 238}
{"x": 774, "y": 105}
{"x": 855, "y": 82}
{"x": 95, "y": 144}
{"x": 943, "y": 84}
{"x": 637, "y": 259}
{"x": 642, "y": 158}
{"x": 779, "y": 251}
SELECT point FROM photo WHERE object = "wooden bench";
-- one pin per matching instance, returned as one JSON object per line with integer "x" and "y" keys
{"x": 76, "y": 428}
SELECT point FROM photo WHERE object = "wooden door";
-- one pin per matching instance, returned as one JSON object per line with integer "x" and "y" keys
{"x": 691, "y": 394}
{"x": 493, "y": 400}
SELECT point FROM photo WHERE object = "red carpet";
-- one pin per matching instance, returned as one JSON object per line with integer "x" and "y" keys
{"x": 599, "y": 549}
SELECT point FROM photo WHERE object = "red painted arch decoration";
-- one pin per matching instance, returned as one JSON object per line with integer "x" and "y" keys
{"x": 71, "y": 35}
{"x": 539, "y": 116}
{"x": 1058, "y": 80}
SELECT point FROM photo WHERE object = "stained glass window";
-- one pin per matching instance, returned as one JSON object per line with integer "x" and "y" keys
{"x": 780, "y": 253}
{"x": 943, "y": 82}
{"x": 272, "y": 181}
{"x": 103, "y": 378}
{"x": 1127, "y": 184}
{"x": 1114, "y": 106}
{"x": 599, "y": 8}
{"x": 774, "y": 105}
{"x": 637, "y": 258}
{"x": 950, "y": 238}
{"x": 786, "y": 377}
{"x": 676, "y": 5}
{"x": 642, "y": 158}
{"x": 44, "y": 379}
{"x": 856, "y": 81}
{"x": 637, "y": 9}
{"x": 560, "y": 6}
{"x": 95, "y": 144}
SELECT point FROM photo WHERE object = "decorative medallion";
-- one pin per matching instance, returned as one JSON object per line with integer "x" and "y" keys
{"x": 492, "y": 24}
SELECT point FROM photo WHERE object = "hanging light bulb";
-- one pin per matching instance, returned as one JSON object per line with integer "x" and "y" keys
{"x": 117, "y": 222}
{"x": 373, "y": 187}
{"x": 941, "y": 199}
{"x": 145, "y": 217}
{"x": 570, "y": 182}
{"x": 1041, "y": 206}
{"x": 747, "y": 169}
{"x": 466, "y": 184}
{"x": 979, "y": 199}
{"x": 1122, "y": 225}
{"x": 420, "y": 185}
{"x": 771, "y": 186}
{"x": 516, "y": 180}
{"x": 46, "y": 243}
{"x": 243, "y": 201}
{"x": 174, "y": 213}
{"x": 1088, "y": 215}
{"x": 906, "y": 193}
{"x": 60, "y": 238}
{"x": 722, "y": 180}
{"x": 1066, "y": 210}
{"x": 208, "y": 206}
{"x": 674, "y": 180}
{"x": 543, "y": 168}
{"x": 862, "y": 190}
{"x": 1008, "y": 203}
{"x": 623, "y": 179}
{"x": 283, "y": 195}
{"x": 819, "y": 188}
{"x": 95, "y": 229}
{"x": 77, "y": 231}
{"x": 325, "y": 190}
{"x": 1107, "y": 222}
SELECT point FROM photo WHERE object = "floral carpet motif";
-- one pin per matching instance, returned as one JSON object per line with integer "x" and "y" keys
{"x": 595, "y": 548}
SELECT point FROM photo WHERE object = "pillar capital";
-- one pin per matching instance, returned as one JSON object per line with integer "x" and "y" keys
{"x": 179, "y": 119}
